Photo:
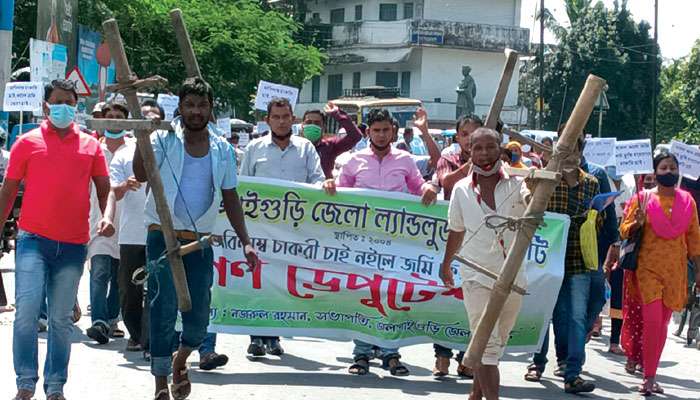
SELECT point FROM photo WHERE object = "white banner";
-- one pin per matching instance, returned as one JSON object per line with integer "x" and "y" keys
{"x": 633, "y": 157}
{"x": 268, "y": 90}
{"x": 600, "y": 151}
{"x": 688, "y": 157}
{"x": 23, "y": 96}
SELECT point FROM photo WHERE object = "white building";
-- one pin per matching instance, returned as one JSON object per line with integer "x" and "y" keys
{"x": 418, "y": 46}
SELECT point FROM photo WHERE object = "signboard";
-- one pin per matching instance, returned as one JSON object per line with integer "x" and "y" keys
{"x": 243, "y": 139}
{"x": 600, "y": 151}
{"x": 90, "y": 63}
{"x": 633, "y": 157}
{"x": 224, "y": 125}
{"x": 361, "y": 265}
{"x": 23, "y": 96}
{"x": 169, "y": 104}
{"x": 47, "y": 61}
{"x": 428, "y": 36}
{"x": 81, "y": 87}
{"x": 267, "y": 91}
{"x": 56, "y": 23}
{"x": 688, "y": 157}
{"x": 7, "y": 10}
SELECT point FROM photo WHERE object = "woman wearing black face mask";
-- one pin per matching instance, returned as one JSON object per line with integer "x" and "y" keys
{"x": 670, "y": 237}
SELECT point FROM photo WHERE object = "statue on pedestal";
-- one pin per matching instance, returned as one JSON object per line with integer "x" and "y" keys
{"x": 466, "y": 92}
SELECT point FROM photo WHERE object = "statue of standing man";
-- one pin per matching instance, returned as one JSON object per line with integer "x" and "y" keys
{"x": 466, "y": 92}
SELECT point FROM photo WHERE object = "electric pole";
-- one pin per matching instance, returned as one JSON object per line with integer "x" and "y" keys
{"x": 7, "y": 12}
{"x": 654, "y": 96}
{"x": 540, "y": 99}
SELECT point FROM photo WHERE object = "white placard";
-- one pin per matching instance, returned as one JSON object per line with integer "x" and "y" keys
{"x": 688, "y": 157}
{"x": 169, "y": 104}
{"x": 224, "y": 125}
{"x": 267, "y": 91}
{"x": 243, "y": 139}
{"x": 23, "y": 96}
{"x": 633, "y": 157}
{"x": 600, "y": 151}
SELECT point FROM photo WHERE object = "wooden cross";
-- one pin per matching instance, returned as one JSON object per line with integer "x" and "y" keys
{"x": 185, "y": 44}
{"x": 128, "y": 84}
{"x": 538, "y": 205}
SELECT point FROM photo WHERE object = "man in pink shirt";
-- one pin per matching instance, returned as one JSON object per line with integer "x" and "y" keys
{"x": 382, "y": 167}
{"x": 56, "y": 162}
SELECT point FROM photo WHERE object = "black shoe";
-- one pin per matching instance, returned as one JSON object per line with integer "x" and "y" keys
{"x": 274, "y": 348}
{"x": 256, "y": 348}
{"x": 579, "y": 385}
{"x": 147, "y": 356}
{"x": 212, "y": 360}
{"x": 98, "y": 333}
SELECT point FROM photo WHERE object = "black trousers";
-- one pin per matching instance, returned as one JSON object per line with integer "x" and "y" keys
{"x": 131, "y": 297}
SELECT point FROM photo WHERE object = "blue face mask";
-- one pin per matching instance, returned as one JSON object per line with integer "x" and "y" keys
{"x": 115, "y": 135}
{"x": 514, "y": 158}
{"x": 61, "y": 115}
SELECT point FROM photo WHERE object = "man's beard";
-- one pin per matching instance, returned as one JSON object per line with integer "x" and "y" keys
{"x": 281, "y": 137}
{"x": 196, "y": 126}
{"x": 378, "y": 147}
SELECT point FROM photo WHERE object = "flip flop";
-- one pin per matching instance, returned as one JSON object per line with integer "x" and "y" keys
{"x": 161, "y": 393}
{"x": 533, "y": 374}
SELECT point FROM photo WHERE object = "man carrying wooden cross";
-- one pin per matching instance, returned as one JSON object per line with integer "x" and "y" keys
{"x": 198, "y": 170}
{"x": 487, "y": 190}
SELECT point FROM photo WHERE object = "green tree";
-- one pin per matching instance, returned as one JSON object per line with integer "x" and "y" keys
{"x": 25, "y": 28}
{"x": 237, "y": 44}
{"x": 679, "y": 105}
{"x": 601, "y": 41}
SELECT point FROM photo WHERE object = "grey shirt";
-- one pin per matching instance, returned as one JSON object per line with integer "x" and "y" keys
{"x": 299, "y": 162}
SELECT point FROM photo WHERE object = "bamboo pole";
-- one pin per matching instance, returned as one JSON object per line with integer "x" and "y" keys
{"x": 185, "y": 44}
{"x": 502, "y": 91}
{"x": 541, "y": 195}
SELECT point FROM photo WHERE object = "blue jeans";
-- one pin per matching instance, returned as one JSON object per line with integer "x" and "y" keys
{"x": 104, "y": 289}
{"x": 44, "y": 264}
{"x": 163, "y": 303}
{"x": 365, "y": 351}
{"x": 208, "y": 344}
{"x": 578, "y": 305}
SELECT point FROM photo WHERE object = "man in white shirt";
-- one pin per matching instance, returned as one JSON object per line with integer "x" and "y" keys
{"x": 488, "y": 189}
{"x": 280, "y": 155}
{"x": 103, "y": 252}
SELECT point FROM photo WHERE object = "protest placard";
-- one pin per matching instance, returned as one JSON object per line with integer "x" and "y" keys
{"x": 23, "y": 96}
{"x": 224, "y": 125}
{"x": 267, "y": 91}
{"x": 361, "y": 265}
{"x": 169, "y": 104}
{"x": 633, "y": 157}
{"x": 688, "y": 159}
{"x": 600, "y": 151}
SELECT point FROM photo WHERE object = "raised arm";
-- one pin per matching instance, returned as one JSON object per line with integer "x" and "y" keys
{"x": 421, "y": 123}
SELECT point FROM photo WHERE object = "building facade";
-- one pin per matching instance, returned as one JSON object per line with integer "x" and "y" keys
{"x": 418, "y": 46}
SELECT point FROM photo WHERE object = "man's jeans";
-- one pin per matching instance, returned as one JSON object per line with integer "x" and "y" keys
{"x": 365, "y": 351}
{"x": 208, "y": 344}
{"x": 104, "y": 289}
{"x": 163, "y": 303}
{"x": 580, "y": 301}
{"x": 43, "y": 263}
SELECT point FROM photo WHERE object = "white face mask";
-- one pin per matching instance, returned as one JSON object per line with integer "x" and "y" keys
{"x": 493, "y": 171}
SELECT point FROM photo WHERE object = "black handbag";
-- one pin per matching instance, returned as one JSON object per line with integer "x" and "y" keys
{"x": 629, "y": 249}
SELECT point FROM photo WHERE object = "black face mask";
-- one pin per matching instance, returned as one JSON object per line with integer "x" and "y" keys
{"x": 379, "y": 148}
{"x": 668, "y": 180}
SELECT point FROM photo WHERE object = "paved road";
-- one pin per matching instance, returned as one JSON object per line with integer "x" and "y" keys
{"x": 316, "y": 369}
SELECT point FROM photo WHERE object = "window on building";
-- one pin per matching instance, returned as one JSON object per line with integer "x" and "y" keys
{"x": 406, "y": 84}
{"x": 356, "y": 80}
{"x": 407, "y": 10}
{"x": 316, "y": 18}
{"x": 387, "y": 12}
{"x": 387, "y": 79}
{"x": 358, "y": 12}
{"x": 315, "y": 89}
{"x": 338, "y": 16}
{"x": 335, "y": 86}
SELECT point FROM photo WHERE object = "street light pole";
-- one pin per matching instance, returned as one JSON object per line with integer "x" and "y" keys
{"x": 7, "y": 12}
{"x": 654, "y": 96}
{"x": 540, "y": 99}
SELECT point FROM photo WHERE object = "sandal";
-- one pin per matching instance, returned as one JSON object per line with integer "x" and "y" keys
{"x": 655, "y": 388}
{"x": 360, "y": 367}
{"x": 533, "y": 373}
{"x": 442, "y": 367}
{"x": 397, "y": 369}
{"x": 180, "y": 390}
{"x": 162, "y": 395}
{"x": 631, "y": 367}
{"x": 465, "y": 372}
{"x": 616, "y": 350}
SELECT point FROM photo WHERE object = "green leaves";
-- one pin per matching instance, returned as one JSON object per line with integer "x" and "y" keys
{"x": 679, "y": 105}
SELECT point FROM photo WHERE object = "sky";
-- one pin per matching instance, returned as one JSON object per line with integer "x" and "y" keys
{"x": 679, "y": 26}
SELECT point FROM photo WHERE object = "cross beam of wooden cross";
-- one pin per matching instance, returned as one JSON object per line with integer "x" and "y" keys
{"x": 502, "y": 91}
{"x": 540, "y": 198}
{"x": 125, "y": 76}
{"x": 519, "y": 137}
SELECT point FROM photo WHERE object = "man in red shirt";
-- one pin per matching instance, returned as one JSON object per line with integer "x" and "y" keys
{"x": 329, "y": 148}
{"x": 56, "y": 162}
